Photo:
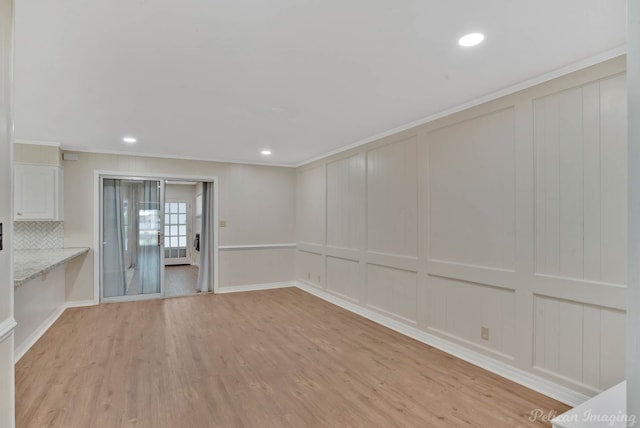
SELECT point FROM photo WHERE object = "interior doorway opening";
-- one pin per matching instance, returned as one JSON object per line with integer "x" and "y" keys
{"x": 182, "y": 224}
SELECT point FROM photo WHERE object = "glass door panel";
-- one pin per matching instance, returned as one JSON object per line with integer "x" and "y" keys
{"x": 131, "y": 256}
{"x": 176, "y": 225}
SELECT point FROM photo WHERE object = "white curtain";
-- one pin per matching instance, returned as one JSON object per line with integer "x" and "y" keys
{"x": 113, "y": 263}
{"x": 148, "y": 261}
{"x": 205, "y": 273}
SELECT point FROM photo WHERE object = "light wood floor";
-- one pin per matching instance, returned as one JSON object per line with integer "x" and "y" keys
{"x": 180, "y": 280}
{"x": 278, "y": 358}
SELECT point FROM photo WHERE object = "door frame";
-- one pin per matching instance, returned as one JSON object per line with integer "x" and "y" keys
{"x": 97, "y": 191}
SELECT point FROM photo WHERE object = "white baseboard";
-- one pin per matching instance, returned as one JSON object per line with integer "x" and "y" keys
{"x": 524, "y": 378}
{"x": 80, "y": 303}
{"x": 37, "y": 334}
{"x": 46, "y": 325}
{"x": 255, "y": 287}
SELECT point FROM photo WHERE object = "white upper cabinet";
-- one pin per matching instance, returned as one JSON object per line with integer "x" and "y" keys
{"x": 38, "y": 193}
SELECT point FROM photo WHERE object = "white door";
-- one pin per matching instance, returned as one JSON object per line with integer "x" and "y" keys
{"x": 177, "y": 232}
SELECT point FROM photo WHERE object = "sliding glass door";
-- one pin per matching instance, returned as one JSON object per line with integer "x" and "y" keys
{"x": 130, "y": 232}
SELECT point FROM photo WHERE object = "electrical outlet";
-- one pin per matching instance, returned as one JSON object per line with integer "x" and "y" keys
{"x": 223, "y": 223}
{"x": 484, "y": 333}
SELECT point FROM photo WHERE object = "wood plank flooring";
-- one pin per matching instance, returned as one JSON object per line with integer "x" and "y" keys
{"x": 278, "y": 358}
{"x": 180, "y": 280}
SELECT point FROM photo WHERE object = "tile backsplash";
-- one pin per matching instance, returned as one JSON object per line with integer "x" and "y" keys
{"x": 38, "y": 234}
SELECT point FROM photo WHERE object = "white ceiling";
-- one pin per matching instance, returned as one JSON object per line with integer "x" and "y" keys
{"x": 208, "y": 79}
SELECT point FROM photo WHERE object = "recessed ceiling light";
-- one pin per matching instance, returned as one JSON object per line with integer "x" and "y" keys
{"x": 266, "y": 152}
{"x": 129, "y": 140}
{"x": 471, "y": 39}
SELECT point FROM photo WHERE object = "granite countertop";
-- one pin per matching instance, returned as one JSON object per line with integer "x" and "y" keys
{"x": 29, "y": 264}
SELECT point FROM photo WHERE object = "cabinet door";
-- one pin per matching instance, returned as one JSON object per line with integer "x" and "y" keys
{"x": 35, "y": 192}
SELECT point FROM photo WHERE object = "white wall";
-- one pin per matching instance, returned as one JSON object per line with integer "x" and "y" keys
{"x": 6, "y": 211}
{"x": 256, "y": 201}
{"x": 510, "y": 216}
{"x": 633, "y": 333}
{"x": 38, "y": 303}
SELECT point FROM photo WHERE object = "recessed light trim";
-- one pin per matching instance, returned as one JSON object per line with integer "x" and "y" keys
{"x": 471, "y": 39}
{"x": 265, "y": 152}
{"x": 130, "y": 140}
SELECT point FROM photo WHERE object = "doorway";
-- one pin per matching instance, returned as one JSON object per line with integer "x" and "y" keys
{"x": 147, "y": 228}
{"x": 181, "y": 252}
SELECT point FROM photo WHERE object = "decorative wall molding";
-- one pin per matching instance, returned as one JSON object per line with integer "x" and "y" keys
{"x": 254, "y": 246}
{"x": 6, "y": 328}
{"x": 529, "y": 380}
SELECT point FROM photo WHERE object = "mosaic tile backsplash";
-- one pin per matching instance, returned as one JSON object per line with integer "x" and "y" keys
{"x": 38, "y": 234}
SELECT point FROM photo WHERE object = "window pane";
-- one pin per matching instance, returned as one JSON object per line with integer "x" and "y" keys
{"x": 174, "y": 207}
{"x": 182, "y": 231}
{"x": 174, "y": 241}
{"x": 183, "y": 219}
{"x": 174, "y": 230}
{"x": 166, "y": 230}
{"x": 183, "y": 241}
{"x": 167, "y": 207}
{"x": 166, "y": 253}
{"x": 174, "y": 253}
{"x": 183, "y": 252}
{"x": 182, "y": 208}
{"x": 167, "y": 242}
{"x": 174, "y": 218}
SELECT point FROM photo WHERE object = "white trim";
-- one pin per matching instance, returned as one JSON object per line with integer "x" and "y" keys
{"x": 46, "y": 325}
{"x": 6, "y": 328}
{"x": 255, "y": 287}
{"x": 529, "y": 380}
{"x": 36, "y": 142}
{"x": 255, "y": 246}
{"x": 576, "y": 66}
{"x": 80, "y": 304}
{"x": 71, "y": 148}
{"x": 37, "y": 334}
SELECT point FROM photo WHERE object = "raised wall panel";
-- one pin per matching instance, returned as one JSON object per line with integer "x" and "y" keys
{"x": 344, "y": 278}
{"x": 472, "y": 192}
{"x": 580, "y": 182}
{"x": 392, "y": 199}
{"x": 393, "y": 291}
{"x": 310, "y": 203}
{"x": 460, "y": 309}
{"x": 582, "y": 342}
{"x": 613, "y": 149}
{"x": 310, "y": 268}
{"x": 268, "y": 265}
{"x": 346, "y": 202}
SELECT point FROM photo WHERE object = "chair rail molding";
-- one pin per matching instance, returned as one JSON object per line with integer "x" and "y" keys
{"x": 6, "y": 328}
